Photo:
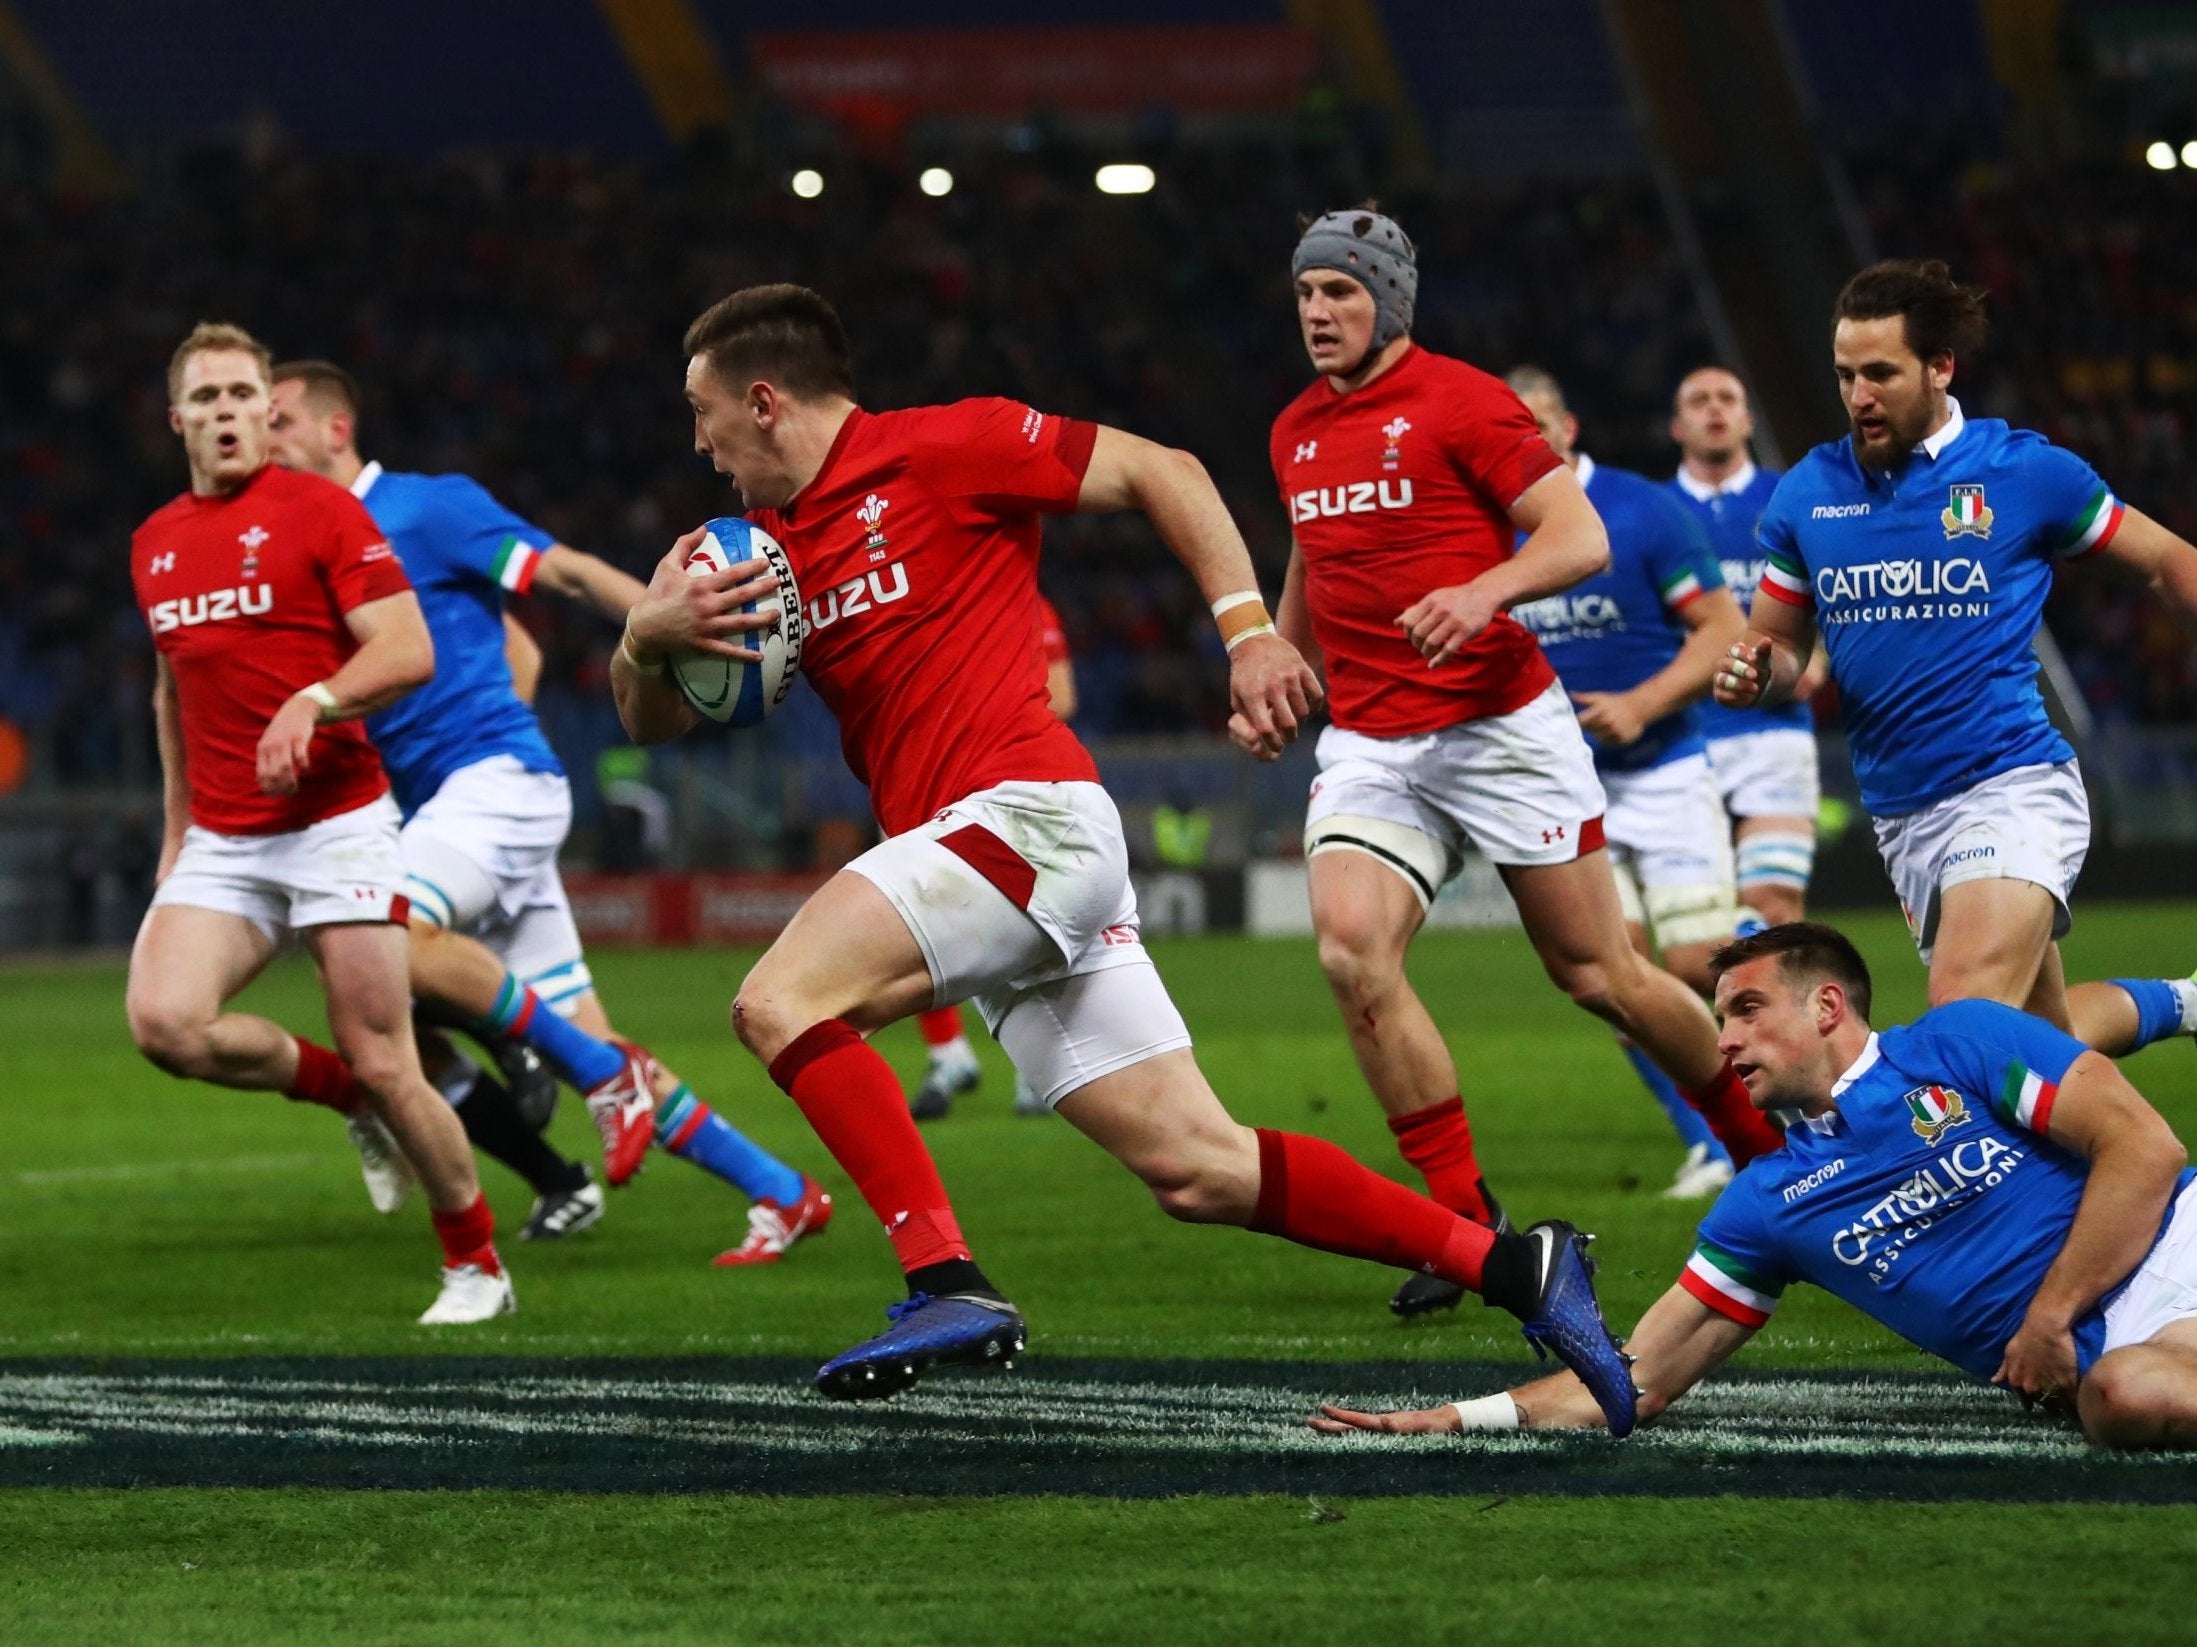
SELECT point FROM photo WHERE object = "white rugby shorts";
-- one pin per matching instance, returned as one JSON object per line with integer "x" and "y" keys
{"x": 1520, "y": 787}
{"x": 2164, "y": 1288}
{"x": 342, "y": 870}
{"x": 2030, "y": 824}
{"x": 1019, "y": 898}
{"x": 481, "y": 858}
{"x": 1768, "y": 774}
{"x": 1671, "y": 850}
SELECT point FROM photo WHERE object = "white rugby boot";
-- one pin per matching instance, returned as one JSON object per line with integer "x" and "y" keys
{"x": 1699, "y": 1176}
{"x": 382, "y": 1164}
{"x": 470, "y": 1295}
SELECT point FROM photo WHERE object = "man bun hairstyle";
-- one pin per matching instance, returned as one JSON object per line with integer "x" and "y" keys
{"x": 784, "y": 335}
{"x": 209, "y": 336}
{"x": 1943, "y": 317}
{"x": 328, "y": 386}
{"x": 1809, "y": 953}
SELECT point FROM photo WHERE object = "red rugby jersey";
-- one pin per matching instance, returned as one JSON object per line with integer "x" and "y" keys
{"x": 915, "y": 551}
{"x": 245, "y": 595}
{"x": 1393, "y": 491}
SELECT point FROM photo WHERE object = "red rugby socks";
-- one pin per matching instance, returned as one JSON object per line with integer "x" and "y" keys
{"x": 853, "y": 1100}
{"x": 1438, "y": 1141}
{"x": 1312, "y": 1193}
{"x": 324, "y": 1078}
{"x": 468, "y": 1236}
{"x": 941, "y": 1028}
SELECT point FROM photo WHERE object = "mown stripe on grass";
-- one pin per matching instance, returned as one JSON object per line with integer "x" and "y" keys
{"x": 1061, "y": 1425}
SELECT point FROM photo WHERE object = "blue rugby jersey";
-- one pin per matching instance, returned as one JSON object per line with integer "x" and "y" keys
{"x": 1621, "y": 626}
{"x": 464, "y": 552}
{"x": 1728, "y": 515}
{"x": 1928, "y": 585}
{"x": 1929, "y": 1198}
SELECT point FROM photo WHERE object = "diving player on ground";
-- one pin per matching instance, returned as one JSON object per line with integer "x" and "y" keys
{"x": 913, "y": 536}
{"x": 486, "y": 810}
{"x": 1978, "y": 1182}
{"x": 1921, "y": 548}
{"x": 1409, "y": 479}
{"x": 282, "y": 617}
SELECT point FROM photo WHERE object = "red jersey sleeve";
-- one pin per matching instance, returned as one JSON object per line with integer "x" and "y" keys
{"x": 1004, "y": 455}
{"x": 1495, "y": 440}
{"x": 355, "y": 555}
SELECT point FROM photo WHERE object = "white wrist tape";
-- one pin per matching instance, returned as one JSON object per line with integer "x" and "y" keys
{"x": 320, "y": 695}
{"x": 1242, "y": 635}
{"x": 1228, "y": 603}
{"x": 1489, "y": 1412}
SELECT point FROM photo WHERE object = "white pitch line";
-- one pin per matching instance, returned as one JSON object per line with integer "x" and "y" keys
{"x": 120, "y": 1172}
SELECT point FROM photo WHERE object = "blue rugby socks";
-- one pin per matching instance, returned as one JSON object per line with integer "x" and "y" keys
{"x": 693, "y": 1131}
{"x": 2165, "y": 1007}
{"x": 577, "y": 1055}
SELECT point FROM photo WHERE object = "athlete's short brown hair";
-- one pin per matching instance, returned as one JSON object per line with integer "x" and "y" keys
{"x": 1808, "y": 953}
{"x": 1943, "y": 317}
{"x": 208, "y": 336}
{"x": 784, "y": 335}
{"x": 328, "y": 386}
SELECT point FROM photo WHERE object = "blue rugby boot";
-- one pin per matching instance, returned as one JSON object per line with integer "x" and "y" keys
{"x": 1567, "y": 1322}
{"x": 954, "y": 1331}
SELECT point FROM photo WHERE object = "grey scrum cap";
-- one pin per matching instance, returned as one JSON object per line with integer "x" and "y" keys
{"x": 1373, "y": 251}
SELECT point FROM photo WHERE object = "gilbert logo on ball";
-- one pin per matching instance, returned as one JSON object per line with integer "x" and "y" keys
{"x": 728, "y": 689}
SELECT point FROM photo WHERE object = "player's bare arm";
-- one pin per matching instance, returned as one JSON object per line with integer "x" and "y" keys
{"x": 1713, "y": 623}
{"x": 1293, "y": 617}
{"x": 1565, "y": 542}
{"x": 1060, "y": 689}
{"x": 395, "y": 654}
{"x": 175, "y": 787}
{"x": 523, "y": 658}
{"x": 676, "y": 613}
{"x": 2165, "y": 562}
{"x": 2134, "y": 1161}
{"x": 1271, "y": 688}
{"x": 1679, "y": 1342}
{"x": 579, "y": 576}
{"x": 1765, "y": 665}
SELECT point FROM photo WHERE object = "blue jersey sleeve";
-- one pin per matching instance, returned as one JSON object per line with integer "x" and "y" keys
{"x": 2076, "y": 511}
{"x": 481, "y": 536}
{"x": 1784, "y": 569}
{"x": 1680, "y": 559}
{"x": 1738, "y": 1267}
{"x": 2010, "y": 1060}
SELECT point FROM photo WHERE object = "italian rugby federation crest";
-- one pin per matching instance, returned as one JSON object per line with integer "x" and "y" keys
{"x": 1935, "y": 1111}
{"x": 1394, "y": 431}
{"x": 1967, "y": 515}
{"x": 870, "y": 514}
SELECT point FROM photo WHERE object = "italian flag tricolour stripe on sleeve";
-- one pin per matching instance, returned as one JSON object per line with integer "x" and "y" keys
{"x": 1722, "y": 1282}
{"x": 515, "y": 563}
{"x": 2095, "y": 527}
{"x": 1782, "y": 580}
{"x": 1683, "y": 586}
{"x": 2026, "y": 1099}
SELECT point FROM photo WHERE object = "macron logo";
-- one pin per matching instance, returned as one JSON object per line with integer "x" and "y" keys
{"x": 1837, "y": 511}
{"x": 1815, "y": 1180}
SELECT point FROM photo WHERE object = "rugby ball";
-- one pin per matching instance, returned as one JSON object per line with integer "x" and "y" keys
{"x": 726, "y": 689}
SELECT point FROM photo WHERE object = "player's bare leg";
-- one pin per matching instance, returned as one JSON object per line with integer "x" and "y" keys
{"x": 186, "y": 964}
{"x": 1774, "y": 901}
{"x": 1576, "y": 925}
{"x": 2144, "y": 1395}
{"x": 1991, "y": 943}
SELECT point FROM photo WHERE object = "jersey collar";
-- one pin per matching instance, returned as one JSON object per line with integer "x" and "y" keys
{"x": 1827, "y": 1122}
{"x": 1584, "y": 469}
{"x": 1735, "y": 483}
{"x": 1955, "y": 422}
{"x": 363, "y": 482}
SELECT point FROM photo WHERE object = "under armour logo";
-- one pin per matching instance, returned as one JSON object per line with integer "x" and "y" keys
{"x": 1550, "y": 836}
{"x": 253, "y": 538}
{"x": 1307, "y": 450}
{"x": 162, "y": 563}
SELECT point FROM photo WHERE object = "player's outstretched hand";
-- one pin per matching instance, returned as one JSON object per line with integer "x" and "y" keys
{"x": 1744, "y": 675}
{"x": 677, "y": 613}
{"x": 2039, "y": 1362}
{"x": 285, "y": 748}
{"x": 1609, "y": 716}
{"x": 1440, "y": 624}
{"x": 1272, "y": 691}
{"x": 1333, "y": 1420}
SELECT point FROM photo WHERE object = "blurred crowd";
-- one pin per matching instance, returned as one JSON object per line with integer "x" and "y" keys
{"x": 2092, "y": 271}
{"x": 518, "y": 318}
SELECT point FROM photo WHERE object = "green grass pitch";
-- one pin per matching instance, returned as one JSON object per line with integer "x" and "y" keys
{"x": 206, "y": 1347}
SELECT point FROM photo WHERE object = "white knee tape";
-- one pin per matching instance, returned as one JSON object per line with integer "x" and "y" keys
{"x": 1681, "y": 915}
{"x": 1777, "y": 858}
{"x": 1422, "y": 861}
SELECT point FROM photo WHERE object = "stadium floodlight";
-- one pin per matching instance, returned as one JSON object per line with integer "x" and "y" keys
{"x": 936, "y": 181}
{"x": 807, "y": 183}
{"x": 2189, "y": 154}
{"x": 2160, "y": 156}
{"x": 1125, "y": 177}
